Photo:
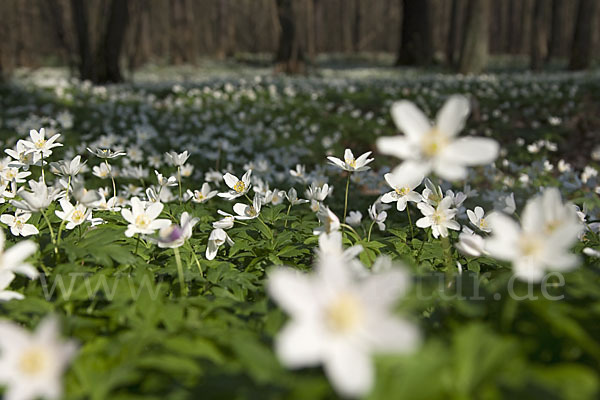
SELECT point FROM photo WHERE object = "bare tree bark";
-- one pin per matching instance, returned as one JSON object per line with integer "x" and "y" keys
{"x": 289, "y": 57}
{"x": 416, "y": 47}
{"x": 585, "y": 25}
{"x": 539, "y": 34}
{"x": 356, "y": 32}
{"x": 80, "y": 20}
{"x": 474, "y": 54}
{"x": 453, "y": 44}
{"x": 311, "y": 28}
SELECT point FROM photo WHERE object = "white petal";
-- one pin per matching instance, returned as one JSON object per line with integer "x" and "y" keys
{"x": 471, "y": 151}
{"x": 292, "y": 290}
{"x": 410, "y": 120}
{"x": 453, "y": 114}
{"x": 398, "y": 146}
{"x": 300, "y": 344}
{"x": 350, "y": 370}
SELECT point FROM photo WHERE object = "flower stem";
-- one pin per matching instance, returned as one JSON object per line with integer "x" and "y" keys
{"x": 51, "y": 232}
{"x": 182, "y": 285}
{"x": 137, "y": 244}
{"x": 287, "y": 214}
{"x": 68, "y": 187}
{"x": 179, "y": 181}
{"x": 346, "y": 197}
{"x": 43, "y": 175}
{"x": 412, "y": 232}
{"x": 112, "y": 178}
{"x": 196, "y": 259}
{"x": 420, "y": 250}
{"x": 370, "y": 228}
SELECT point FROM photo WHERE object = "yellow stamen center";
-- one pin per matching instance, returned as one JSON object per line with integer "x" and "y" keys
{"x": 351, "y": 162}
{"x": 142, "y": 221}
{"x": 402, "y": 191}
{"x": 239, "y": 187}
{"x": 33, "y": 361}
{"x": 344, "y": 313}
{"x": 433, "y": 142}
{"x": 40, "y": 143}
{"x": 78, "y": 216}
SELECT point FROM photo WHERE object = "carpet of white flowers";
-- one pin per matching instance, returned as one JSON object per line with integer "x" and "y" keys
{"x": 427, "y": 237}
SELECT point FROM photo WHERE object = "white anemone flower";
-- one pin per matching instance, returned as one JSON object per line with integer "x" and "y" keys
{"x": 175, "y": 235}
{"x": 436, "y": 147}
{"x": 106, "y": 153}
{"x": 18, "y": 223}
{"x": 202, "y": 195}
{"x": 102, "y": 171}
{"x": 68, "y": 168}
{"x": 246, "y": 211}
{"x": 142, "y": 217}
{"x": 22, "y": 157}
{"x": 378, "y": 214}
{"x": 479, "y": 220}
{"x": 440, "y": 219}
{"x": 32, "y": 364}
{"x": 12, "y": 261}
{"x": 470, "y": 243}
{"x": 38, "y": 143}
{"x": 542, "y": 242}
{"x": 292, "y": 197}
{"x": 350, "y": 163}
{"x": 238, "y": 187}
{"x": 339, "y": 321}
{"x": 330, "y": 222}
{"x": 403, "y": 182}
{"x": 354, "y": 218}
{"x": 226, "y": 222}
{"x": 217, "y": 238}
{"x": 38, "y": 199}
{"x": 73, "y": 215}
{"x": 177, "y": 159}
{"x": 318, "y": 193}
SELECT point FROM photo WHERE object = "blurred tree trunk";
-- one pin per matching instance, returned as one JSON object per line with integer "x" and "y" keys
{"x": 582, "y": 44}
{"x": 311, "y": 28}
{"x": 109, "y": 49}
{"x": 225, "y": 30}
{"x": 289, "y": 57}
{"x": 356, "y": 26}
{"x": 416, "y": 47}
{"x": 453, "y": 43}
{"x": 539, "y": 34}
{"x": 474, "y": 53}
{"x": 80, "y": 21}
{"x": 556, "y": 30}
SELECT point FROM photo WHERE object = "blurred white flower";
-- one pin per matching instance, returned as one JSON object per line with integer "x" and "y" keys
{"x": 436, "y": 148}
{"x": 339, "y": 320}
{"x": 32, "y": 364}
{"x": 543, "y": 240}
{"x": 12, "y": 261}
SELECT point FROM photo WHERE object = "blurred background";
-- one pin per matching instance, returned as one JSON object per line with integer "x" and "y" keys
{"x": 105, "y": 40}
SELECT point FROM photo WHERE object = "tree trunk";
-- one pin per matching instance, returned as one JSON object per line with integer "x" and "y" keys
{"x": 416, "y": 47}
{"x": 289, "y": 58}
{"x": 474, "y": 54}
{"x": 111, "y": 44}
{"x": 79, "y": 14}
{"x": 539, "y": 35}
{"x": 311, "y": 28}
{"x": 556, "y": 30}
{"x": 356, "y": 25}
{"x": 453, "y": 43}
{"x": 582, "y": 44}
